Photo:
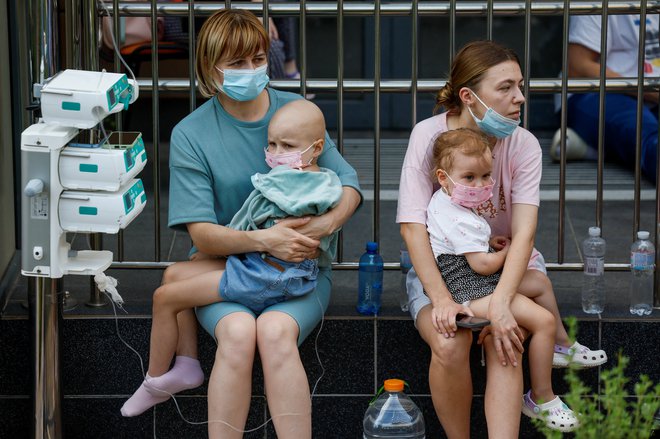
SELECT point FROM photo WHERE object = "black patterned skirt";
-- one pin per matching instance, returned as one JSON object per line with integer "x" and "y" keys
{"x": 462, "y": 281}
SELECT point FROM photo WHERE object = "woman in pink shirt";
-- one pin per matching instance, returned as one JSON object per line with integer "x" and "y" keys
{"x": 482, "y": 93}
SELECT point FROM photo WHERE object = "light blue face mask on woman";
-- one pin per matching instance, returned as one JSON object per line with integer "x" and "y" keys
{"x": 244, "y": 84}
{"x": 493, "y": 123}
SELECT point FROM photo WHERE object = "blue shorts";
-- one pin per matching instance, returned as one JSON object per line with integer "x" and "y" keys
{"x": 258, "y": 281}
{"x": 306, "y": 310}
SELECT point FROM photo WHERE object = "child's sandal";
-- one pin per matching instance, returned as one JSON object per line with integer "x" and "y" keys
{"x": 577, "y": 355}
{"x": 556, "y": 414}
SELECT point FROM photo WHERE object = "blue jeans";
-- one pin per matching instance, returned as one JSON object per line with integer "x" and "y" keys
{"x": 620, "y": 128}
{"x": 251, "y": 281}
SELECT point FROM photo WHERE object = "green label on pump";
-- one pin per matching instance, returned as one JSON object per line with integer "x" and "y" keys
{"x": 71, "y": 106}
{"x": 86, "y": 210}
{"x": 88, "y": 168}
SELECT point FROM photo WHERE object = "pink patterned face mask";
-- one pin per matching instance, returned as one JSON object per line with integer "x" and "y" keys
{"x": 468, "y": 196}
{"x": 291, "y": 159}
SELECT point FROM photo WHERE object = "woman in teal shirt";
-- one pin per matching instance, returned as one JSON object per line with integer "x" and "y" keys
{"x": 214, "y": 151}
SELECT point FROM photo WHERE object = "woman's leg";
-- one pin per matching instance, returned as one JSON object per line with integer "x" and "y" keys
{"x": 504, "y": 389}
{"x": 230, "y": 385}
{"x": 287, "y": 388}
{"x": 504, "y": 385}
{"x": 449, "y": 375}
{"x": 537, "y": 286}
{"x": 541, "y": 324}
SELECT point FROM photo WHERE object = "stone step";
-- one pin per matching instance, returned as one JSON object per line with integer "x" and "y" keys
{"x": 99, "y": 372}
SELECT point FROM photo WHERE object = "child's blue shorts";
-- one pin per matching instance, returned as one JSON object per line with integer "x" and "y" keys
{"x": 258, "y": 281}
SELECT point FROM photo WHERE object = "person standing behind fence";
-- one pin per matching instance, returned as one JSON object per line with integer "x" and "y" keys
{"x": 620, "y": 120}
{"x": 214, "y": 151}
{"x": 482, "y": 93}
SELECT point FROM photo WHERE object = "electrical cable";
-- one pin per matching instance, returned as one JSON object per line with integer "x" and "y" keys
{"x": 176, "y": 404}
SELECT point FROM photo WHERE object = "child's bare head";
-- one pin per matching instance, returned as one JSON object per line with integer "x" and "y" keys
{"x": 302, "y": 117}
{"x": 297, "y": 126}
{"x": 463, "y": 141}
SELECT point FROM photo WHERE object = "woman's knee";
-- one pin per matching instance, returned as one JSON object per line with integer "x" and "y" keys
{"x": 453, "y": 352}
{"x": 277, "y": 334}
{"x": 236, "y": 335}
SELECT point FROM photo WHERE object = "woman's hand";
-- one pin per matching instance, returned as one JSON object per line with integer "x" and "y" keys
{"x": 443, "y": 316}
{"x": 506, "y": 333}
{"x": 285, "y": 242}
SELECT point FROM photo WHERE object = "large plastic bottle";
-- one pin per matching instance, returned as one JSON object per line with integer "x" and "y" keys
{"x": 370, "y": 280}
{"x": 393, "y": 415}
{"x": 642, "y": 265}
{"x": 406, "y": 265}
{"x": 593, "y": 280}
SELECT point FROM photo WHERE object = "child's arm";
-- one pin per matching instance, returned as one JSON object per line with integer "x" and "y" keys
{"x": 488, "y": 263}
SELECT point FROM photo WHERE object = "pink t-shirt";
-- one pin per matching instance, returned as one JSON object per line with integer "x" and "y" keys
{"x": 516, "y": 171}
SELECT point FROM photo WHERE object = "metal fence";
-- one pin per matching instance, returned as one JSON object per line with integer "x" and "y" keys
{"x": 82, "y": 28}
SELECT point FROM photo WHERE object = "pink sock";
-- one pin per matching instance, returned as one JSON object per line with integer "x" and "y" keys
{"x": 186, "y": 374}
{"x": 143, "y": 399}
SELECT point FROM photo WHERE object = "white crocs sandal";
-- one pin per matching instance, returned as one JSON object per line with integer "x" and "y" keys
{"x": 578, "y": 355}
{"x": 556, "y": 414}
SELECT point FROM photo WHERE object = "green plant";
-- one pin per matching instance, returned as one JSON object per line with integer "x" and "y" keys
{"x": 612, "y": 414}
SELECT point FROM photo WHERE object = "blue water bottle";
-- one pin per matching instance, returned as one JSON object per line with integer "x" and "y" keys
{"x": 370, "y": 281}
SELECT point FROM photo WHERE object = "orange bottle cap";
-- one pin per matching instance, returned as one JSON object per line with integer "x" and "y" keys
{"x": 393, "y": 385}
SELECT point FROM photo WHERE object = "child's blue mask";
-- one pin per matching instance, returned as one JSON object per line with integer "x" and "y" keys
{"x": 493, "y": 123}
{"x": 244, "y": 84}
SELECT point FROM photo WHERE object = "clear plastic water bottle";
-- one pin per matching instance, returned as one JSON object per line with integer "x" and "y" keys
{"x": 593, "y": 281}
{"x": 393, "y": 415}
{"x": 370, "y": 280}
{"x": 642, "y": 265}
{"x": 406, "y": 265}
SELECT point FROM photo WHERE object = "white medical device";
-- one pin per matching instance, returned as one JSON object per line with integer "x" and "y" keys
{"x": 120, "y": 158}
{"x": 104, "y": 212}
{"x": 82, "y": 99}
{"x": 75, "y": 187}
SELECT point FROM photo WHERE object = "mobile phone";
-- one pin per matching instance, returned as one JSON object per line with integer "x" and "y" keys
{"x": 465, "y": 321}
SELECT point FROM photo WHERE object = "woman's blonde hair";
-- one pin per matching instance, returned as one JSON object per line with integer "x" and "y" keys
{"x": 227, "y": 34}
{"x": 464, "y": 140}
{"x": 467, "y": 70}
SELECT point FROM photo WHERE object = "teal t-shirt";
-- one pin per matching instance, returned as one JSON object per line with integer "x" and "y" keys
{"x": 213, "y": 155}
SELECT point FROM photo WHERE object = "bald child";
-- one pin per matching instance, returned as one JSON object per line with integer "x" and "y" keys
{"x": 295, "y": 187}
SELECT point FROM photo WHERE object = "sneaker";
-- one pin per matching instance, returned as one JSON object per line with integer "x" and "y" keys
{"x": 576, "y": 147}
{"x": 577, "y": 355}
{"x": 556, "y": 414}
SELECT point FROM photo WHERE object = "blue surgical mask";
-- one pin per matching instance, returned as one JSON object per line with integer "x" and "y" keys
{"x": 493, "y": 123}
{"x": 244, "y": 84}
